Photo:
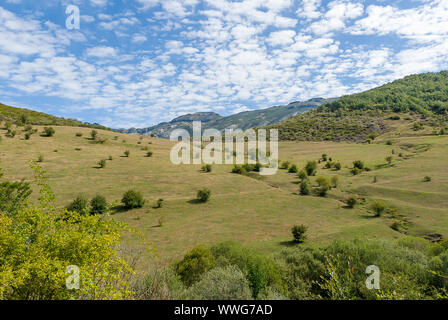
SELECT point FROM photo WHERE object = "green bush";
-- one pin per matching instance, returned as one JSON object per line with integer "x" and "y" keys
{"x": 159, "y": 203}
{"x": 311, "y": 168}
{"x": 40, "y": 158}
{"x": 207, "y": 168}
{"x": 49, "y": 131}
{"x": 358, "y": 164}
{"x": 98, "y": 205}
{"x": 302, "y": 175}
{"x": 127, "y": 153}
{"x": 27, "y": 136}
{"x": 324, "y": 186}
{"x": 149, "y": 154}
{"x": 133, "y": 199}
{"x": 194, "y": 264}
{"x": 298, "y": 233}
{"x": 222, "y": 283}
{"x": 93, "y": 134}
{"x": 305, "y": 188}
{"x": 102, "y": 163}
{"x": 293, "y": 169}
{"x": 335, "y": 181}
{"x": 285, "y": 165}
{"x": 351, "y": 201}
{"x": 78, "y": 134}
{"x": 427, "y": 179}
{"x": 80, "y": 205}
{"x": 203, "y": 195}
{"x": 337, "y": 166}
{"x": 378, "y": 208}
{"x": 238, "y": 169}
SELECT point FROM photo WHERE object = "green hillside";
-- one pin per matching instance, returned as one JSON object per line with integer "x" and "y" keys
{"x": 418, "y": 101}
{"x": 26, "y": 116}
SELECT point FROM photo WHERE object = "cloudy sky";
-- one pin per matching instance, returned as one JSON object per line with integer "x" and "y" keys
{"x": 139, "y": 62}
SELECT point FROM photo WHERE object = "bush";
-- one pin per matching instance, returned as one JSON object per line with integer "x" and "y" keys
{"x": 378, "y": 208}
{"x": 222, "y": 283}
{"x": 93, "y": 134}
{"x": 358, "y": 164}
{"x": 427, "y": 179}
{"x": 335, "y": 181}
{"x": 40, "y": 158}
{"x": 78, "y": 134}
{"x": 204, "y": 195}
{"x": 337, "y": 166}
{"x": 194, "y": 264}
{"x": 355, "y": 171}
{"x": 98, "y": 205}
{"x": 293, "y": 169}
{"x": 351, "y": 201}
{"x": 27, "y": 136}
{"x": 389, "y": 159}
{"x": 324, "y": 186}
{"x": 311, "y": 168}
{"x": 49, "y": 131}
{"x": 239, "y": 169}
{"x": 207, "y": 168}
{"x": 284, "y": 165}
{"x": 305, "y": 188}
{"x": 133, "y": 199}
{"x": 298, "y": 233}
{"x": 159, "y": 203}
{"x": 80, "y": 205}
{"x": 127, "y": 153}
{"x": 302, "y": 175}
{"x": 149, "y": 154}
{"x": 102, "y": 163}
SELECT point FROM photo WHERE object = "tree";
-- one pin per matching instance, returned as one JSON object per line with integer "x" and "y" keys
{"x": 127, "y": 153}
{"x": 378, "y": 208}
{"x": 194, "y": 264}
{"x": 310, "y": 168}
{"x": 305, "y": 188}
{"x": 302, "y": 175}
{"x": 298, "y": 233}
{"x": 49, "y": 131}
{"x": 293, "y": 169}
{"x": 204, "y": 195}
{"x": 133, "y": 199}
{"x": 98, "y": 205}
{"x": 93, "y": 134}
{"x": 324, "y": 186}
{"x": 79, "y": 205}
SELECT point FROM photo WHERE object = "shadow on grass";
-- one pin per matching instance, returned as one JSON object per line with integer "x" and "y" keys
{"x": 369, "y": 216}
{"x": 290, "y": 243}
{"x": 119, "y": 209}
{"x": 195, "y": 201}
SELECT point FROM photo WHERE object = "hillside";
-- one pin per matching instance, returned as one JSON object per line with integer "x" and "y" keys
{"x": 26, "y": 116}
{"x": 242, "y": 120}
{"x": 419, "y": 101}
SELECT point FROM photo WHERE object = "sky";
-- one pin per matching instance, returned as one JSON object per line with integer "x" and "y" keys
{"x": 135, "y": 63}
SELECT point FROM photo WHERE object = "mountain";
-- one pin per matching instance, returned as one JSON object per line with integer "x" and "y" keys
{"x": 21, "y": 116}
{"x": 420, "y": 101}
{"x": 243, "y": 120}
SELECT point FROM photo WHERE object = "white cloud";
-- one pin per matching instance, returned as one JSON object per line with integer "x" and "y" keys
{"x": 101, "y": 52}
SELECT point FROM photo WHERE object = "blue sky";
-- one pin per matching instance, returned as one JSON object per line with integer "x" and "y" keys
{"x": 135, "y": 63}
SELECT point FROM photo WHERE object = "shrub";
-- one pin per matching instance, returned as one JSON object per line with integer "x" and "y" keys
{"x": 298, "y": 233}
{"x": 358, "y": 164}
{"x": 132, "y": 199}
{"x": 324, "y": 186}
{"x": 351, "y": 201}
{"x": 389, "y": 142}
{"x": 49, "y": 131}
{"x": 222, "y": 283}
{"x": 302, "y": 175}
{"x": 127, "y": 153}
{"x": 149, "y": 154}
{"x": 355, "y": 171}
{"x": 324, "y": 157}
{"x": 40, "y": 158}
{"x": 27, "y": 136}
{"x": 337, "y": 166}
{"x": 93, "y": 134}
{"x": 204, "y": 195}
{"x": 311, "y": 168}
{"x": 159, "y": 203}
{"x": 207, "y": 168}
{"x": 293, "y": 169}
{"x": 102, "y": 163}
{"x": 389, "y": 159}
{"x": 305, "y": 188}
{"x": 239, "y": 169}
{"x": 378, "y": 208}
{"x": 80, "y": 205}
{"x": 78, "y": 134}
{"x": 335, "y": 181}
{"x": 427, "y": 179}
{"x": 194, "y": 264}
{"x": 110, "y": 158}
{"x": 98, "y": 205}
{"x": 284, "y": 165}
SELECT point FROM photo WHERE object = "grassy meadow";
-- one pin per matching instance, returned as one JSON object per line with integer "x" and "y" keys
{"x": 258, "y": 211}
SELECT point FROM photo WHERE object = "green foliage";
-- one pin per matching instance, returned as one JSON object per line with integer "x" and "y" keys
{"x": 13, "y": 196}
{"x": 93, "y": 134}
{"x": 311, "y": 168}
{"x": 127, "y": 153}
{"x": 79, "y": 205}
{"x": 159, "y": 203}
{"x": 378, "y": 208}
{"x": 358, "y": 164}
{"x": 302, "y": 175}
{"x": 324, "y": 186}
{"x": 298, "y": 233}
{"x": 427, "y": 179}
{"x": 293, "y": 169}
{"x": 238, "y": 169}
{"x": 222, "y": 283}
{"x": 49, "y": 131}
{"x": 335, "y": 181}
{"x": 194, "y": 264}
{"x": 207, "y": 168}
{"x": 149, "y": 154}
{"x": 351, "y": 201}
{"x": 305, "y": 188}
{"x": 78, "y": 134}
{"x": 133, "y": 199}
{"x": 389, "y": 159}
{"x": 40, "y": 158}
{"x": 98, "y": 205}
{"x": 204, "y": 194}
{"x": 102, "y": 163}
{"x": 285, "y": 165}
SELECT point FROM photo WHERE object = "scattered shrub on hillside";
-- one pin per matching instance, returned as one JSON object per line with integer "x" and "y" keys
{"x": 389, "y": 142}
{"x": 98, "y": 205}
{"x": 311, "y": 168}
{"x": 358, "y": 164}
{"x": 293, "y": 169}
{"x": 206, "y": 168}
{"x": 324, "y": 186}
{"x": 159, "y": 203}
{"x": 375, "y": 179}
{"x": 80, "y": 205}
{"x": 284, "y": 165}
{"x": 78, "y": 134}
{"x": 389, "y": 159}
{"x": 13, "y": 197}
{"x": 302, "y": 175}
{"x": 40, "y": 158}
{"x": 427, "y": 179}
{"x": 149, "y": 154}
{"x": 203, "y": 195}
{"x": 102, "y": 163}
{"x": 194, "y": 264}
{"x": 110, "y": 158}
{"x": 49, "y": 131}
{"x": 298, "y": 233}
{"x": 27, "y": 136}
{"x": 378, "y": 208}
{"x": 93, "y": 134}
{"x": 133, "y": 199}
{"x": 305, "y": 188}
{"x": 351, "y": 201}
{"x": 337, "y": 166}
{"x": 238, "y": 169}
{"x": 335, "y": 181}
{"x": 324, "y": 157}
{"x": 127, "y": 153}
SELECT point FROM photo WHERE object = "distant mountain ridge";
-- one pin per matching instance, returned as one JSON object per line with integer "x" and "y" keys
{"x": 243, "y": 120}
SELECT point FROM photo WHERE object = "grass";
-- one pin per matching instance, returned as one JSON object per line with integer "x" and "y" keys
{"x": 258, "y": 212}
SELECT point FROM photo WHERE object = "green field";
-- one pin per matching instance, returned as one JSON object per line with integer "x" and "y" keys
{"x": 257, "y": 211}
